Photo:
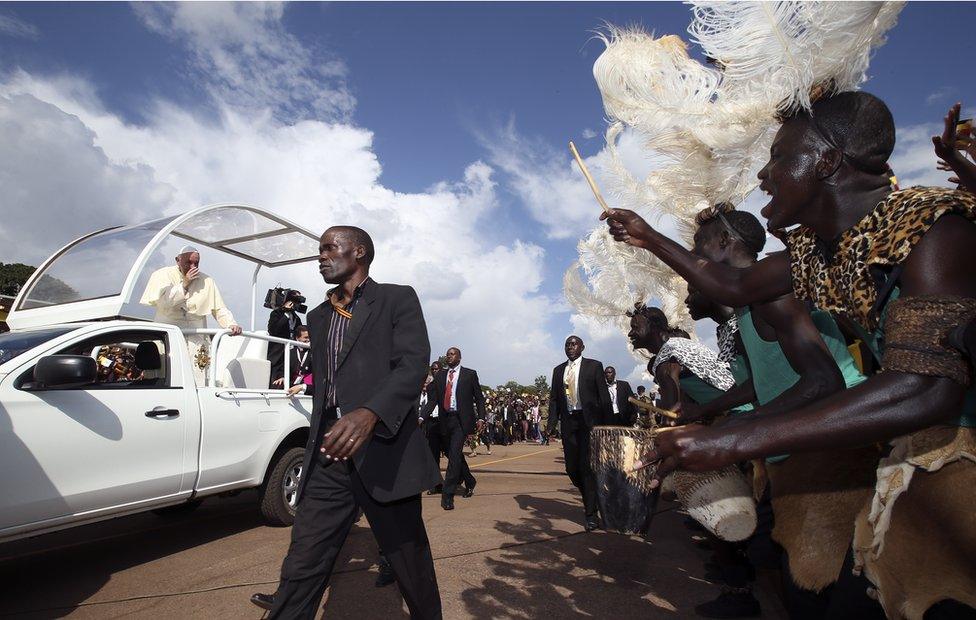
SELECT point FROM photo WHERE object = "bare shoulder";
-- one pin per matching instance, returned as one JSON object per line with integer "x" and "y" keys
{"x": 941, "y": 262}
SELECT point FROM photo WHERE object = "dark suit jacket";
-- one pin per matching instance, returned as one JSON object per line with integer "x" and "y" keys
{"x": 628, "y": 410}
{"x": 470, "y": 399}
{"x": 278, "y": 327}
{"x": 593, "y": 395}
{"x": 383, "y": 359}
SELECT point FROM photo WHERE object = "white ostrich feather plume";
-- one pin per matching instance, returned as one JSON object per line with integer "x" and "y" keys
{"x": 651, "y": 82}
{"x": 707, "y": 129}
{"x": 777, "y": 52}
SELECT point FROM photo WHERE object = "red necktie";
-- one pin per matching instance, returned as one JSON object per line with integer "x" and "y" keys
{"x": 447, "y": 392}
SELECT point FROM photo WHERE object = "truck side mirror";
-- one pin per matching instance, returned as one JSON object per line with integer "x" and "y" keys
{"x": 64, "y": 371}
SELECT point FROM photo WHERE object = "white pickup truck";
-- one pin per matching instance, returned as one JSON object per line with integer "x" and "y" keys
{"x": 79, "y": 445}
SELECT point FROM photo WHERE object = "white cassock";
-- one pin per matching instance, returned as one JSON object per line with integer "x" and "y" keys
{"x": 187, "y": 309}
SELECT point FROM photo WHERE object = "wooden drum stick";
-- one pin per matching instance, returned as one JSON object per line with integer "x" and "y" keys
{"x": 589, "y": 179}
{"x": 649, "y": 407}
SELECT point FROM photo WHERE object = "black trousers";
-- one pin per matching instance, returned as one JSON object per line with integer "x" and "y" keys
{"x": 576, "y": 450}
{"x": 452, "y": 436}
{"x": 327, "y": 510}
{"x": 432, "y": 430}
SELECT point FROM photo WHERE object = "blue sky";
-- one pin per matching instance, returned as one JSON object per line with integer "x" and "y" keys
{"x": 441, "y": 110}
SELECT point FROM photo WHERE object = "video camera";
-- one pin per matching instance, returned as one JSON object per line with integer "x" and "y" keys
{"x": 277, "y": 297}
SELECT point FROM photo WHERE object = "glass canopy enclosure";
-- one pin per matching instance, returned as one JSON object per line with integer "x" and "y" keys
{"x": 101, "y": 275}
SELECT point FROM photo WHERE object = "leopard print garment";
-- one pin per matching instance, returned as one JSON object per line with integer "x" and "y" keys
{"x": 842, "y": 282}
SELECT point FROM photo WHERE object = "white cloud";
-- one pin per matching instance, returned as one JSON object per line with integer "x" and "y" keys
{"x": 244, "y": 55}
{"x": 589, "y": 134}
{"x": 69, "y": 165}
{"x": 914, "y": 160}
{"x": 549, "y": 183}
{"x": 17, "y": 28}
{"x": 941, "y": 95}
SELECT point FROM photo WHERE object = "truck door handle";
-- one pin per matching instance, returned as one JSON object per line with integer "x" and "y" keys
{"x": 163, "y": 413}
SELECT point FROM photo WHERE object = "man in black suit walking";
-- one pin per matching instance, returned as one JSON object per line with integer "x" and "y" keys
{"x": 457, "y": 392}
{"x": 365, "y": 448}
{"x": 579, "y": 400}
{"x": 624, "y": 411}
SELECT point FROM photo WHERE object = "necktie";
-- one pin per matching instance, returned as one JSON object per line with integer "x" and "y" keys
{"x": 447, "y": 392}
{"x": 571, "y": 385}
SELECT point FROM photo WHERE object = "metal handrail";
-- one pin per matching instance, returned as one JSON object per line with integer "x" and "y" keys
{"x": 269, "y": 393}
{"x": 218, "y": 335}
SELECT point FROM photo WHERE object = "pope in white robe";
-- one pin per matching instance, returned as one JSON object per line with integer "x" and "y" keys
{"x": 183, "y": 295}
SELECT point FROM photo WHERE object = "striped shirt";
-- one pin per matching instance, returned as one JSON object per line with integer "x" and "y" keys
{"x": 333, "y": 341}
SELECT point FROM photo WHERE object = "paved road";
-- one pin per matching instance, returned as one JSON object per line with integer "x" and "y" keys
{"x": 515, "y": 550}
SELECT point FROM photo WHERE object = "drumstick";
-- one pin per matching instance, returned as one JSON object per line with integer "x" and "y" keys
{"x": 665, "y": 429}
{"x": 649, "y": 407}
{"x": 589, "y": 179}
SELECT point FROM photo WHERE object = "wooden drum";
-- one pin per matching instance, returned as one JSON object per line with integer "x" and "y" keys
{"x": 627, "y": 501}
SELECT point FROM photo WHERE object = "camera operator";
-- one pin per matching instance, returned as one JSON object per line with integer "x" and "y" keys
{"x": 282, "y": 323}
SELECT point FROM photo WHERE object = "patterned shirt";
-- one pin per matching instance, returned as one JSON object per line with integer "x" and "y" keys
{"x": 838, "y": 276}
{"x": 333, "y": 340}
{"x": 725, "y": 335}
{"x": 697, "y": 358}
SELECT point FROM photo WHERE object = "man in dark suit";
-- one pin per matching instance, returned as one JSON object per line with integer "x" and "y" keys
{"x": 432, "y": 428}
{"x": 457, "y": 392}
{"x": 365, "y": 448}
{"x": 579, "y": 400}
{"x": 624, "y": 411}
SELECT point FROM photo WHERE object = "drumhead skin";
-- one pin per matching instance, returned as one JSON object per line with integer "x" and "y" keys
{"x": 627, "y": 501}
{"x": 719, "y": 500}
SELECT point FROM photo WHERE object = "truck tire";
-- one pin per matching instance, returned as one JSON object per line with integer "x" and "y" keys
{"x": 280, "y": 490}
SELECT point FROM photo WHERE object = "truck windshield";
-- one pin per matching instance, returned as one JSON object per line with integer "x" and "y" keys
{"x": 13, "y": 344}
{"x": 94, "y": 267}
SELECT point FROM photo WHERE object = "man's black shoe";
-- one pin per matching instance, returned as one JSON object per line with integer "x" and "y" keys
{"x": 447, "y": 502}
{"x": 264, "y": 601}
{"x": 386, "y": 576}
{"x": 731, "y": 603}
{"x": 592, "y": 524}
{"x": 436, "y": 490}
{"x": 469, "y": 490}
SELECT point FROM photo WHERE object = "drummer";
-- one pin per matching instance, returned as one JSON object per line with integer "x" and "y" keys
{"x": 688, "y": 374}
{"x": 865, "y": 252}
{"x": 794, "y": 357}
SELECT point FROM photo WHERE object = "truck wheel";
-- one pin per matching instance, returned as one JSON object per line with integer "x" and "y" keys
{"x": 279, "y": 494}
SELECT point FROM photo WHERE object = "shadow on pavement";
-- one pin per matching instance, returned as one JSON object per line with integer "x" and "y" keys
{"x": 569, "y": 576}
{"x": 52, "y": 574}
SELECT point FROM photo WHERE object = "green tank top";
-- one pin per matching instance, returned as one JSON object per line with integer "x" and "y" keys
{"x": 771, "y": 371}
{"x": 698, "y": 390}
{"x": 703, "y": 392}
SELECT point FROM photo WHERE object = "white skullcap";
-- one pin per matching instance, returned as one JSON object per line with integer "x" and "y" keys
{"x": 187, "y": 249}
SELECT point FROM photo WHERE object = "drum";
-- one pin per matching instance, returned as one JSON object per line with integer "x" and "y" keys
{"x": 720, "y": 500}
{"x": 627, "y": 501}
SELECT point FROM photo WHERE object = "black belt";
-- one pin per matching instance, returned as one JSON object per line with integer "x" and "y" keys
{"x": 574, "y": 411}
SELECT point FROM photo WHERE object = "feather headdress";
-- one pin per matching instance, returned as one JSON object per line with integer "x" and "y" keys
{"x": 708, "y": 127}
